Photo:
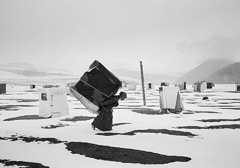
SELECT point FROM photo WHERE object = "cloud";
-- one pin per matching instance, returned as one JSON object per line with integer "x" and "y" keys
{"x": 215, "y": 47}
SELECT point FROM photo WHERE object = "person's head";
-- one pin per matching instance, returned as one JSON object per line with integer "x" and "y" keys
{"x": 123, "y": 95}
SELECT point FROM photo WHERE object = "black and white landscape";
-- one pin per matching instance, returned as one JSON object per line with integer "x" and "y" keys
{"x": 53, "y": 43}
{"x": 205, "y": 133}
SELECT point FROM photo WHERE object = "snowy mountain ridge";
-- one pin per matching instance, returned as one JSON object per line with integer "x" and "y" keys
{"x": 29, "y": 72}
{"x": 215, "y": 70}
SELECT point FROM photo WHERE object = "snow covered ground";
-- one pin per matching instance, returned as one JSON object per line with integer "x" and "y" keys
{"x": 214, "y": 122}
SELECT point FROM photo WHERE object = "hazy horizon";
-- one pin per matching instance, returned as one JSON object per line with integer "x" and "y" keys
{"x": 168, "y": 36}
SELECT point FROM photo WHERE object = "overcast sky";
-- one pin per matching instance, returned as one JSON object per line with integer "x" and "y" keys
{"x": 168, "y": 36}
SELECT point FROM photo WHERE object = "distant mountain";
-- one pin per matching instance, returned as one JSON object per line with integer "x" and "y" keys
{"x": 135, "y": 77}
{"x": 28, "y": 73}
{"x": 203, "y": 71}
{"x": 216, "y": 71}
{"x": 29, "y": 70}
{"x": 229, "y": 74}
{"x": 25, "y": 73}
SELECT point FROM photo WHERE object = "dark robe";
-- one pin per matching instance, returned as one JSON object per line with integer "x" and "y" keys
{"x": 104, "y": 119}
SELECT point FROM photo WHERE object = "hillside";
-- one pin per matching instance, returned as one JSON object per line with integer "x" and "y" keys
{"x": 29, "y": 70}
{"x": 226, "y": 75}
{"x": 135, "y": 76}
{"x": 26, "y": 73}
{"x": 203, "y": 71}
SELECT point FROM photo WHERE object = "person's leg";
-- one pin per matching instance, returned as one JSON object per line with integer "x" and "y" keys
{"x": 97, "y": 121}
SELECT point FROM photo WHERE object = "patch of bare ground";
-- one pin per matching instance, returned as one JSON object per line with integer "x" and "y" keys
{"x": 218, "y": 120}
{"x": 116, "y": 124}
{"x": 25, "y": 117}
{"x": 157, "y": 112}
{"x": 155, "y": 131}
{"x": 217, "y": 105}
{"x": 78, "y": 118}
{"x": 13, "y": 107}
{"x": 231, "y": 108}
{"x": 27, "y": 100}
{"x": 147, "y": 111}
{"x": 55, "y": 126}
{"x": 193, "y": 102}
{"x": 36, "y": 117}
{"x": 7, "y": 162}
{"x": 8, "y": 107}
{"x": 230, "y": 126}
{"x": 193, "y": 112}
{"x": 162, "y": 131}
{"x": 101, "y": 152}
{"x": 31, "y": 139}
{"x": 22, "y": 100}
{"x": 121, "y": 154}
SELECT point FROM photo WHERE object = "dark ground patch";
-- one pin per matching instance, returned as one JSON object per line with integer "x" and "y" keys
{"x": 203, "y": 95}
{"x": 117, "y": 124}
{"x": 234, "y": 99}
{"x": 23, "y": 100}
{"x": 219, "y": 106}
{"x": 26, "y": 105}
{"x": 78, "y": 118}
{"x": 13, "y": 107}
{"x": 55, "y": 126}
{"x": 153, "y": 105}
{"x": 210, "y": 112}
{"x": 121, "y": 154}
{"x": 162, "y": 131}
{"x": 25, "y": 117}
{"x": 231, "y": 126}
{"x": 188, "y": 112}
{"x": 27, "y": 100}
{"x": 155, "y": 131}
{"x": 147, "y": 111}
{"x": 225, "y": 102}
{"x": 108, "y": 133}
{"x": 231, "y": 108}
{"x": 231, "y": 91}
{"x": 8, "y": 107}
{"x": 32, "y": 139}
{"x": 218, "y": 120}
{"x": 188, "y": 102}
{"x": 7, "y": 162}
{"x": 193, "y": 112}
{"x": 107, "y": 153}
